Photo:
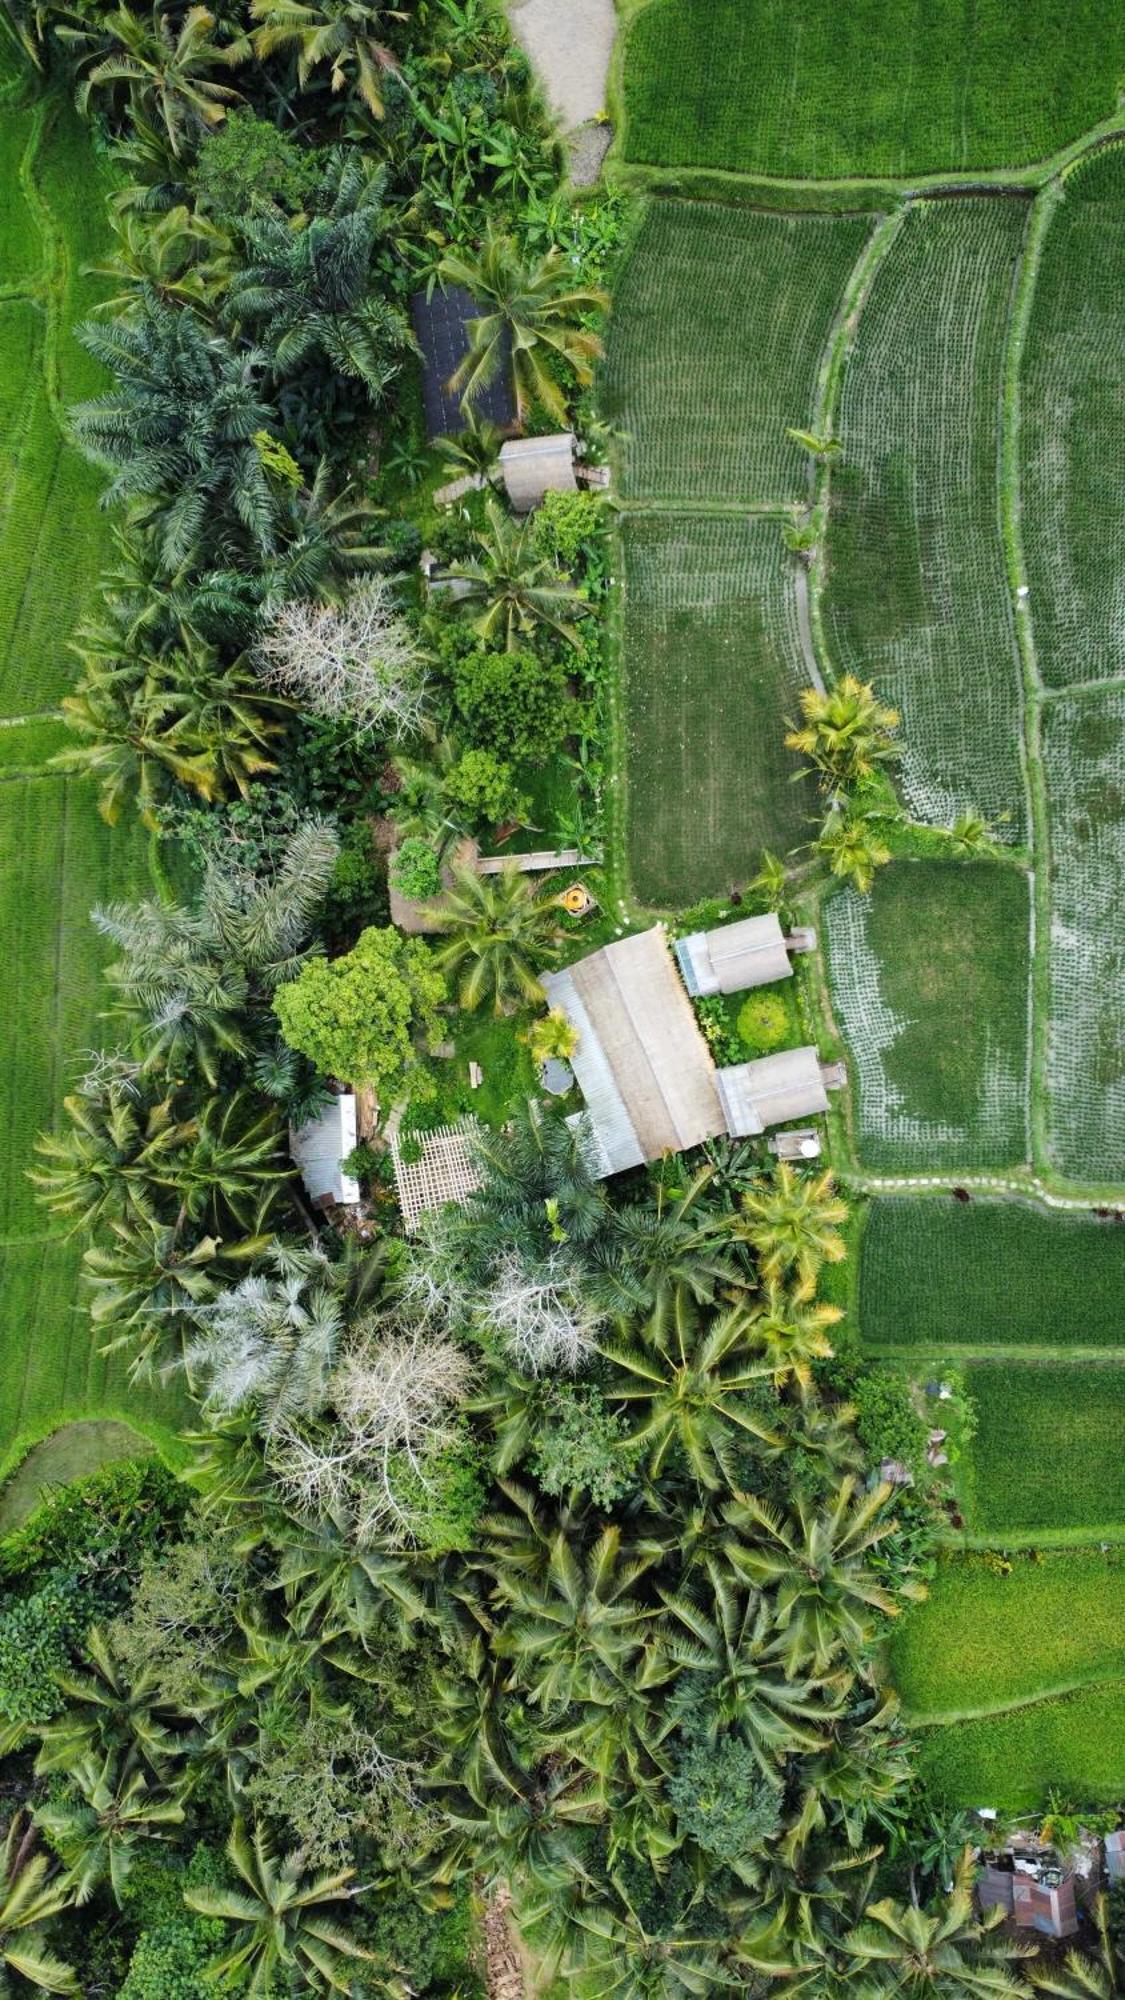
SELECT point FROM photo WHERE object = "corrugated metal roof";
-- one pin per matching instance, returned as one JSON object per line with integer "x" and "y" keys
{"x": 319, "y": 1147}
{"x": 618, "y": 1143}
{"x": 748, "y": 953}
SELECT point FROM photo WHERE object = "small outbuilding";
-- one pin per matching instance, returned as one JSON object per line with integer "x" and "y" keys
{"x": 534, "y": 467}
{"x": 441, "y": 322}
{"x": 1115, "y": 1855}
{"x": 771, "y": 1090}
{"x": 1045, "y": 1904}
{"x": 319, "y": 1149}
{"x": 752, "y": 952}
{"x": 435, "y": 1168}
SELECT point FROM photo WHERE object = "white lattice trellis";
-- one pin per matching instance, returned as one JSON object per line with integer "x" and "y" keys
{"x": 445, "y": 1171}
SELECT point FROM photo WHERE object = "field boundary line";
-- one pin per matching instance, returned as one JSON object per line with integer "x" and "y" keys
{"x": 1098, "y": 685}
{"x": 830, "y": 377}
{"x": 780, "y": 510}
{"x": 1040, "y": 1355}
{"x": 982, "y": 1714}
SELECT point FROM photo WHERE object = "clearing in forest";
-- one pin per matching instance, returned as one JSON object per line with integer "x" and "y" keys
{"x": 873, "y": 88}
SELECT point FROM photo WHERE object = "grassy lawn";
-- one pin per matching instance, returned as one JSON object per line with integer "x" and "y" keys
{"x": 73, "y": 1452}
{"x": 874, "y": 87}
{"x": 720, "y": 318}
{"x": 1047, "y": 1453}
{"x": 507, "y": 1072}
{"x": 1073, "y": 384}
{"x": 982, "y": 1639}
{"x": 1075, "y": 1746}
{"x": 936, "y": 1273}
{"x": 1084, "y": 755}
{"x": 712, "y": 666}
{"x": 929, "y": 980}
{"x": 917, "y": 592}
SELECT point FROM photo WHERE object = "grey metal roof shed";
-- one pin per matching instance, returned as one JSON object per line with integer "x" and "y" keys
{"x": 319, "y": 1147}
{"x": 534, "y": 467}
{"x": 751, "y": 952}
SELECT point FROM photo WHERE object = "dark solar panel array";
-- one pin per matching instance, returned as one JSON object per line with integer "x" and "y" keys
{"x": 440, "y": 327}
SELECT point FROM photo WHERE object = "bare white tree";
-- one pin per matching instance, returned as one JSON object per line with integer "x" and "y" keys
{"x": 358, "y": 661}
{"x": 539, "y": 1312}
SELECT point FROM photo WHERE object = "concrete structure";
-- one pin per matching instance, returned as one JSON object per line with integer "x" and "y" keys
{"x": 534, "y": 467}
{"x": 320, "y": 1146}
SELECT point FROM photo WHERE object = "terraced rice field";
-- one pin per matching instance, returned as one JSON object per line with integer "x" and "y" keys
{"x": 1047, "y": 1453}
{"x": 712, "y": 659}
{"x": 917, "y": 596}
{"x": 929, "y": 982}
{"x": 879, "y": 87}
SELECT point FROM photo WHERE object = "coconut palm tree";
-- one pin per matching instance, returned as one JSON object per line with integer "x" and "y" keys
{"x": 288, "y": 1925}
{"x": 1080, "y": 1977}
{"x": 845, "y": 733}
{"x": 574, "y": 1629}
{"x": 110, "y": 1811}
{"x": 793, "y": 1221}
{"x": 105, "y": 1163}
{"x": 532, "y": 313}
{"x": 345, "y": 36}
{"x": 552, "y": 1038}
{"x": 815, "y": 1566}
{"x": 269, "y": 1342}
{"x": 145, "y": 1279}
{"x": 181, "y": 256}
{"x": 178, "y": 431}
{"x": 852, "y": 849}
{"x": 165, "y": 70}
{"x": 791, "y": 1332}
{"x": 943, "y": 1956}
{"x": 309, "y": 292}
{"x": 518, "y": 588}
{"x": 665, "y": 1251}
{"x": 29, "y": 1897}
{"x": 111, "y": 1713}
{"x": 496, "y": 928}
{"x": 689, "y": 1381}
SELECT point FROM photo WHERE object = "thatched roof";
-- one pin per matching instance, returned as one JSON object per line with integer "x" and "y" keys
{"x": 748, "y": 953}
{"x": 319, "y": 1147}
{"x": 533, "y": 467}
{"x": 643, "y": 1066}
{"x": 771, "y": 1090}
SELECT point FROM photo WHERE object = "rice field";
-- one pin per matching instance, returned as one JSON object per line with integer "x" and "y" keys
{"x": 917, "y": 596}
{"x": 1073, "y": 449}
{"x": 873, "y": 88}
{"x": 1074, "y": 1746}
{"x": 929, "y": 984}
{"x": 1047, "y": 1453}
{"x": 1084, "y": 758}
{"x": 713, "y": 662}
{"x": 939, "y": 1274}
{"x": 720, "y": 319}
{"x": 984, "y": 1639}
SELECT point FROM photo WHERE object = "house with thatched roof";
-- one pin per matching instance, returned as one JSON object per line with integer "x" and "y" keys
{"x": 645, "y": 1069}
{"x": 752, "y": 952}
{"x": 533, "y": 467}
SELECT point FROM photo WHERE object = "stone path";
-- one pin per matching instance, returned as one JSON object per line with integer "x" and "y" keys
{"x": 569, "y": 43}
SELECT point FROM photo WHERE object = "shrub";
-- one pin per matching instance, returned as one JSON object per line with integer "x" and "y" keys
{"x": 484, "y": 787}
{"x": 513, "y": 703}
{"x": 763, "y": 1021}
{"x": 101, "y": 1526}
{"x": 722, "y": 1800}
{"x": 567, "y": 526}
{"x": 357, "y": 893}
{"x": 247, "y": 163}
{"x": 713, "y": 1016}
{"x": 887, "y": 1422}
{"x": 415, "y": 871}
{"x": 355, "y": 1017}
{"x": 36, "y": 1634}
{"x": 581, "y": 1446}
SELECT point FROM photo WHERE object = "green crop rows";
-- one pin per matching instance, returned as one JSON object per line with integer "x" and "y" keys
{"x": 1084, "y": 755}
{"x": 935, "y": 1273}
{"x": 1072, "y": 440}
{"x": 1047, "y": 1453}
{"x": 712, "y": 661}
{"x": 929, "y": 981}
{"x": 1074, "y": 1746}
{"x": 917, "y": 596}
{"x": 720, "y": 318}
{"x": 984, "y": 1639}
{"x": 875, "y": 87}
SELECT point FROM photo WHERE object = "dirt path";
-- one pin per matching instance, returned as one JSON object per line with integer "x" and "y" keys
{"x": 504, "y": 1969}
{"x": 569, "y": 43}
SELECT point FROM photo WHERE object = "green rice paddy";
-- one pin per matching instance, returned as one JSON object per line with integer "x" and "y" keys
{"x": 1073, "y": 1747}
{"x": 1047, "y": 1454}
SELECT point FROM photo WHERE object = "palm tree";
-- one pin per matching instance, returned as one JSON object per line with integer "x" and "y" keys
{"x": 309, "y": 291}
{"x": 289, "y": 1926}
{"x": 29, "y": 1897}
{"x": 181, "y": 256}
{"x": 815, "y": 1565}
{"x": 852, "y": 849}
{"x": 792, "y": 1220}
{"x": 342, "y": 34}
{"x": 472, "y": 453}
{"x": 110, "y": 1713}
{"x": 1080, "y": 1977}
{"x": 792, "y": 1332}
{"x": 664, "y": 1253}
{"x": 552, "y": 1038}
{"x": 105, "y": 1164}
{"x": 532, "y": 313}
{"x": 846, "y": 733}
{"x": 575, "y": 1629}
{"x": 109, "y": 1812}
{"x": 537, "y": 1193}
{"x": 689, "y": 1381}
{"x": 972, "y": 835}
{"x": 497, "y": 927}
{"x": 944, "y": 1956}
{"x": 518, "y": 588}
{"x": 229, "y": 1165}
{"x": 178, "y": 430}
{"x": 145, "y": 1279}
{"x": 269, "y": 1342}
{"x": 166, "y": 72}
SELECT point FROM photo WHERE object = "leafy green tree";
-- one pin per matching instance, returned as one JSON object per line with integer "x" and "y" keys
{"x": 498, "y": 928}
{"x": 344, "y": 36}
{"x": 308, "y": 288}
{"x": 246, "y": 164}
{"x": 484, "y": 790}
{"x": 178, "y": 432}
{"x": 165, "y": 72}
{"x": 288, "y": 1925}
{"x": 532, "y": 318}
{"x": 580, "y": 1445}
{"x": 512, "y": 589}
{"x": 30, "y": 1896}
{"x": 846, "y": 734}
{"x": 514, "y": 702}
{"x": 722, "y": 1799}
{"x": 358, "y": 1017}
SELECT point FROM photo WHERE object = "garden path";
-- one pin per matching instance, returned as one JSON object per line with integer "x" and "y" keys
{"x": 569, "y": 43}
